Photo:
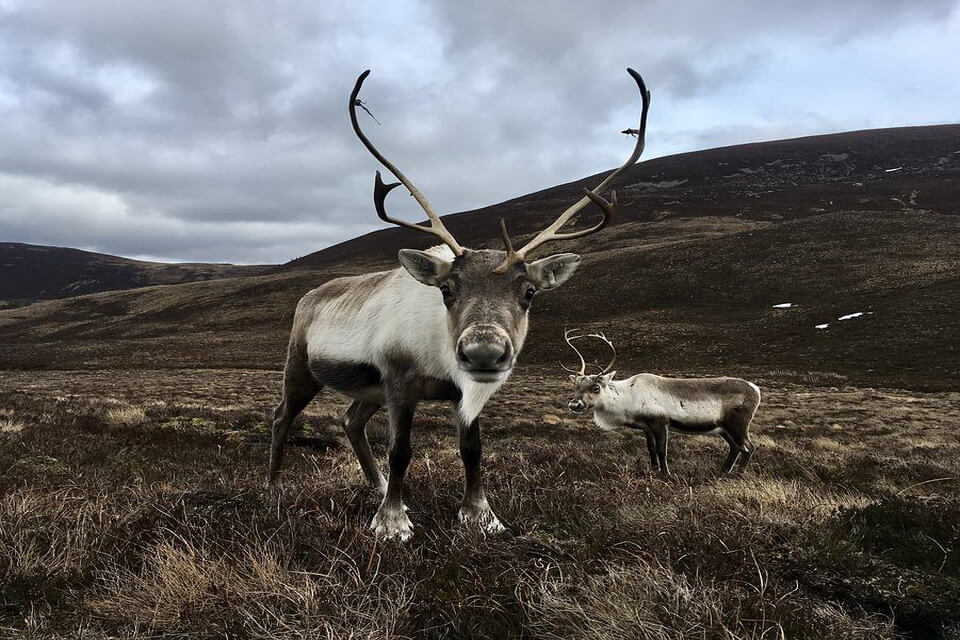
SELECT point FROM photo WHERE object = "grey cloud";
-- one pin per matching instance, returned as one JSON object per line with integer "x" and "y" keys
{"x": 218, "y": 130}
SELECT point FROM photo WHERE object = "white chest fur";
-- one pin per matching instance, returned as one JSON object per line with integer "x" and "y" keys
{"x": 607, "y": 421}
{"x": 403, "y": 317}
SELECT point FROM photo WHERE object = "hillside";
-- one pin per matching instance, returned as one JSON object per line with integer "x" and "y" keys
{"x": 32, "y": 272}
{"x": 907, "y": 168}
{"x": 685, "y": 280}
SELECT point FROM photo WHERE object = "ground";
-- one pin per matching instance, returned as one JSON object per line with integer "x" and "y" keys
{"x": 132, "y": 505}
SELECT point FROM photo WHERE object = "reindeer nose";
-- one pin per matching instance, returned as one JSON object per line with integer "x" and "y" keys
{"x": 576, "y": 406}
{"x": 484, "y": 355}
{"x": 484, "y": 348}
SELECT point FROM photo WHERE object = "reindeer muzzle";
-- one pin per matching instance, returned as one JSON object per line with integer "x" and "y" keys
{"x": 485, "y": 353}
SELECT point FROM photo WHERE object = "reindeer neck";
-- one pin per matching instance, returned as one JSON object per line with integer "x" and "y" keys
{"x": 614, "y": 398}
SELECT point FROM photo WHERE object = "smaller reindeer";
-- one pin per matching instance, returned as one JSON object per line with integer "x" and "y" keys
{"x": 656, "y": 405}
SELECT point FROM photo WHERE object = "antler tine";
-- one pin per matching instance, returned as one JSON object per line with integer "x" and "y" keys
{"x": 592, "y": 195}
{"x": 515, "y": 257}
{"x": 583, "y": 363}
{"x": 380, "y": 190}
{"x": 601, "y": 336}
{"x": 507, "y": 244}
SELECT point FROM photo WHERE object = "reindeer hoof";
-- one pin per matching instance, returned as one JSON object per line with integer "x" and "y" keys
{"x": 392, "y": 523}
{"x": 482, "y": 516}
{"x": 272, "y": 489}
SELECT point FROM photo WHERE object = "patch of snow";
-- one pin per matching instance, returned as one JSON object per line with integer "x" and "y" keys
{"x": 822, "y": 326}
{"x": 851, "y": 315}
{"x": 783, "y": 305}
{"x": 892, "y": 170}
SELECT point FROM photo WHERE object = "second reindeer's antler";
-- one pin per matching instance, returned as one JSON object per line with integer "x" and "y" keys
{"x": 552, "y": 232}
{"x": 380, "y": 189}
{"x": 613, "y": 358}
{"x": 583, "y": 364}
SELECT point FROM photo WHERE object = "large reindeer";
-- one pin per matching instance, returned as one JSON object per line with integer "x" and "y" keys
{"x": 386, "y": 339}
{"x": 657, "y": 405}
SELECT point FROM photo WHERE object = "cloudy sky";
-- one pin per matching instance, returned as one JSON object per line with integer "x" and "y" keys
{"x": 218, "y": 131}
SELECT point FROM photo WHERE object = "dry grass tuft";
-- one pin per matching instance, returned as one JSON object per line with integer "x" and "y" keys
{"x": 10, "y": 425}
{"x": 126, "y": 416}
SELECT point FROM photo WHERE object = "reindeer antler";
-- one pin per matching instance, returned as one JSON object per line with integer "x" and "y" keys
{"x": 601, "y": 336}
{"x": 583, "y": 364}
{"x": 380, "y": 190}
{"x": 552, "y": 232}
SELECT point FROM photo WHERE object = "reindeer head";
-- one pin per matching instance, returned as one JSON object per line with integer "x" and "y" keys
{"x": 488, "y": 293}
{"x": 590, "y": 391}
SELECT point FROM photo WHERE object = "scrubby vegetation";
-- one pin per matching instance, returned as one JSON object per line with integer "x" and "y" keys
{"x": 123, "y": 514}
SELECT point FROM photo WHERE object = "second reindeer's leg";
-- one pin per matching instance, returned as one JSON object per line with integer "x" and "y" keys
{"x": 727, "y": 466}
{"x": 651, "y": 447}
{"x": 746, "y": 450}
{"x": 475, "y": 508}
{"x": 391, "y": 520}
{"x": 661, "y": 434}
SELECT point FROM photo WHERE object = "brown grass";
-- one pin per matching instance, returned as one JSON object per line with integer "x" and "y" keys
{"x": 8, "y": 425}
{"x": 131, "y": 506}
{"x": 125, "y": 416}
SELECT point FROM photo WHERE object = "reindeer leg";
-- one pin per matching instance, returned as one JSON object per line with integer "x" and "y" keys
{"x": 737, "y": 426}
{"x": 736, "y": 432}
{"x": 475, "y": 508}
{"x": 727, "y": 465}
{"x": 355, "y": 424}
{"x": 391, "y": 519}
{"x": 651, "y": 444}
{"x": 660, "y": 433}
{"x": 299, "y": 388}
{"x": 746, "y": 450}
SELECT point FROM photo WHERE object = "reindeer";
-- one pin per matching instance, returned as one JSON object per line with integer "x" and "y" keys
{"x": 386, "y": 339}
{"x": 656, "y": 405}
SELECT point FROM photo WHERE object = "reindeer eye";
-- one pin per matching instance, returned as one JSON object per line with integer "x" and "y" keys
{"x": 596, "y": 388}
{"x": 445, "y": 290}
{"x": 528, "y": 295}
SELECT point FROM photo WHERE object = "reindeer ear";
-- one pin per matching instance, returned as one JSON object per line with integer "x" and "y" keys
{"x": 573, "y": 378}
{"x": 608, "y": 377}
{"x": 426, "y": 268}
{"x": 552, "y": 271}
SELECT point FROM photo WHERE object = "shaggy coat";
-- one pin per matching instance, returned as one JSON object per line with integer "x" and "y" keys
{"x": 657, "y": 405}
